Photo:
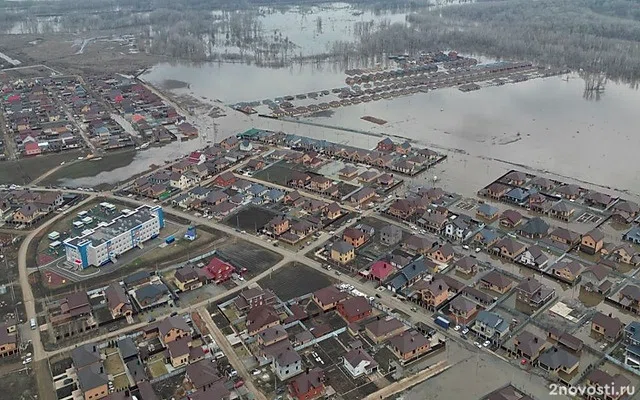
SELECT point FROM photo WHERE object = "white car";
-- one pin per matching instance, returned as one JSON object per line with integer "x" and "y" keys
{"x": 478, "y": 249}
{"x": 478, "y": 345}
{"x": 457, "y": 328}
{"x": 486, "y": 343}
{"x": 27, "y": 361}
{"x": 466, "y": 247}
{"x": 465, "y": 331}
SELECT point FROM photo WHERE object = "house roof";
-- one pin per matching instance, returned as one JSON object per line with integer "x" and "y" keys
{"x": 612, "y": 326}
{"x": 446, "y": 250}
{"x": 627, "y": 206}
{"x": 203, "y": 373}
{"x": 518, "y": 193}
{"x": 437, "y": 287}
{"x": 631, "y": 291}
{"x": 391, "y": 230}
{"x": 488, "y": 235}
{"x": 597, "y": 197}
{"x": 127, "y": 348}
{"x": 598, "y": 270}
{"x": 497, "y": 187}
{"x": 355, "y": 306}
{"x": 562, "y": 206}
{"x": 535, "y": 226}
{"x": 512, "y": 216}
{"x": 466, "y": 262}
{"x": 462, "y": 304}
{"x": 492, "y": 320}
{"x": 602, "y": 378}
{"x": 595, "y": 234}
{"x": 419, "y": 242}
{"x": 91, "y": 377}
{"x": 353, "y": 233}
{"x": 273, "y": 333}
{"x": 506, "y": 393}
{"x": 529, "y": 343}
{"x": 566, "y": 234}
{"x": 573, "y": 267}
{"x": 381, "y": 269}
{"x": 151, "y": 292}
{"x": 512, "y": 246}
{"x": 308, "y": 381}
{"x": 357, "y": 355}
{"x": 383, "y": 326}
{"x": 84, "y": 355}
{"x": 495, "y": 278}
{"x": 408, "y": 341}
{"x": 330, "y": 295}
{"x": 288, "y": 357}
{"x": 408, "y": 273}
{"x": 537, "y": 254}
{"x": 542, "y": 182}
{"x": 175, "y": 322}
{"x": 179, "y": 347}
{"x": 342, "y": 247}
{"x": 529, "y": 285}
{"x": 555, "y": 358}
{"x": 260, "y": 316}
{"x": 569, "y": 190}
{"x": 515, "y": 176}
{"x": 488, "y": 209}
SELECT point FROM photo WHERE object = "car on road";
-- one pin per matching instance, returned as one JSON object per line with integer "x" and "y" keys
{"x": 414, "y": 309}
{"x": 486, "y": 343}
{"x": 466, "y": 247}
{"x": 338, "y": 273}
{"x": 465, "y": 331}
{"x": 478, "y": 345}
{"x": 27, "y": 361}
{"x": 523, "y": 361}
{"x": 478, "y": 249}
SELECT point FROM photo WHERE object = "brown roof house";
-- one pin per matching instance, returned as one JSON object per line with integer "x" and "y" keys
{"x": 467, "y": 265}
{"x": 358, "y": 362}
{"x": 510, "y": 218}
{"x": 118, "y": 301}
{"x": 462, "y": 309}
{"x": 508, "y": 248}
{"x": 564, "y": 236}
{"x": 629, "y": 298}
{"x": 567, "y": 271}
{"x": 496, "y": 282}
{"x": 592, "y": 242}
{"x": 594, "y": 279}
{"x": 626, "y": 253}
{"x": 409, "y": 345}
{"x": 342, "y": 252}
{"x": 261, "y": 318}
{"x": 442, "y": 254}
{"x": 329, "y": 297}
{"x": 529, "y": 346}
{"x": 355, "y": 237}
{"x": 609, "y": 327}
{"x": 535, "y": 294}
{"x": 560, "y": 362}
{"x": 384, "y": 328}
{"x": 434, "y": 294}
{"x": 618, "y": 385}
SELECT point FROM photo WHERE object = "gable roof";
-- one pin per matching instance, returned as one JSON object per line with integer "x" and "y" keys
{"x": 555, "y": 358}
{"x": 495, "y": 278}
{"x": 492, "y": 320}
{"x": 175, "y": 322}
{"x": 383, "y": 326}
{"x": 565, "y": 234}
{"x": 408, "y": 341}
{"x": 535, "y": 226}
{"x": 612, "y": 326}
{"x": 330, "y": 295}
{"x": 342, "y": 247}
{"x": 355, "y": 306}
{"x": 595, "y": 234}
{"x": 260, "y": 316}
{"x": 84, "y": 355}
{"x": 529, "y": 344}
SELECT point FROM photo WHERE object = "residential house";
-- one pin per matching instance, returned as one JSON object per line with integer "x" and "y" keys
{"x": 515, "y": 178}
{"x": 178, "y": 352}
{"x": 354, "y": 237}
{"x": 567, "y": 271}
{"x": 533, "y": 257}
{"x": 188, "y": 278}
{"x": 384, "y": 328}
{"x": 517, "y": 196}
{"x": 507, "y": 392}
{"x": 562, "y": 210}
{"x": 385, "y": 179}
{"x": 442, "y": 254}
{"x": 565, "y": 236}
{"x": 419, "y": 244}
{"x": 342, "y": 252}
{"x": 381, "y": 270}
{"x": 462, "y": 309}
{"x": 260, "y": 318}
{"x": 632, "y": 344}
{"x": 434, "y": 294}
{"x": 594, "y": 279}
{"x": 625, "y": 211}
{"x": 542, "y": 183}
{"x": 457, "y": 229}
{"x": 354, "y": 309}
{"x": 368, "y": 176}
{"x": 307, "y": 386}
{"x": 320, "y": 183}
{"x": 629, "y": 298}
{"x": 287, "y": 364}
{"x": 408, "y": 275}
{"x": 348, "y": 172}
{"x": 632, "y": 235}
{"x": 118, "y": 301}
{"x": 609, "y": 327}
{"x": 229, "y": 143}
{"x": 508, "y": 248}
{"x": 565, "y": 340}
{"x": 617, "y": 386}
{"x": 385, "y": 144}
{"x": 329, "y": 297}
{"x": 529, "y": 346}
{"x": 333, "y": 211}
{"x": 204, "y": 377}
{"x": 225, "y": 179}
{"x": 278, "y": 225}
{"x": 219, "y": 271}
{"x": 535, "y": 228}
{"x": 390, "y": 235}
{"x": 486, "y": 237}
{"x": 359, "y": 363}
{"x": 533, "y": 293}
{"x": 592, "y": 242}
{"x": 497, "y": 282}
{"x": 272, "y": 335}
{"x": 559, "y": 361}
{"x": 93, "y": 381}
{"x": 363, "y": 195}
{"x": 497, "y": 190}
{"x": 402, "y": 208}
{"x": 254, "y": 297}
{"x": 569, "y": 191}
{"x": 255, "y": 164}
{"x": 510, "y": 218}
{"x": 597, "y": 199}
{"x": 466, "y": 265}
{"x": 627, "y": 254}
{"x": 409, "y": 345}
{"x": 8, "y": 339}
{"x": 487, "y": 211}
{"x": 490, "y": 326}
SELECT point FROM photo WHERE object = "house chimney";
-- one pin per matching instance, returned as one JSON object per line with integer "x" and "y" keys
{"x": 440, "y": 287}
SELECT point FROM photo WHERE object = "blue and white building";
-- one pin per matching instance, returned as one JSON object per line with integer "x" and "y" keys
{"x": 98, "y": 246}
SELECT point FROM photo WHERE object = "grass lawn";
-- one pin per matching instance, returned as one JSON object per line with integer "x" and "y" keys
{"x": 157, "y": 368}
{"x": 231, "y": 314}
{"x": 178, "y": 251}
{"x": 121, "y": 382}
{"x": 241, "y": 351}
{"x": 113, "y": 364}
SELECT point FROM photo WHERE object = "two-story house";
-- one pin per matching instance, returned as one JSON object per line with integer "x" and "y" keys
{"x": 490, "y": 326}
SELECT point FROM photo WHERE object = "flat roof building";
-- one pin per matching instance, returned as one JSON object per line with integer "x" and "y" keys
{"x": 107, "y": 241}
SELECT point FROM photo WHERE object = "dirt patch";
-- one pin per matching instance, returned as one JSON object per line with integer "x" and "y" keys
{"x": 287, "y": 282}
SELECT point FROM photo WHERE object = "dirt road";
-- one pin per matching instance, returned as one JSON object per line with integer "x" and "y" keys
{"x": 231, "y": 355}
{"x": 408, "y": 382}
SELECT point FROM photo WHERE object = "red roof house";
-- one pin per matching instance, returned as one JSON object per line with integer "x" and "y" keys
{"x": 308, "y": 385}
{"x": 225, "y": 179}
{"x": 380, "y": 270}
{"x": 32, "y": 149}
{"x": 218, "y": 270}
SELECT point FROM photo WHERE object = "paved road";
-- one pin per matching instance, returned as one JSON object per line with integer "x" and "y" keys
{"x": 234, "y": 360}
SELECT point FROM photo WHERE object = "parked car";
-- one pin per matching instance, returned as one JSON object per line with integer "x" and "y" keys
{"x": 486, "y": 343}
